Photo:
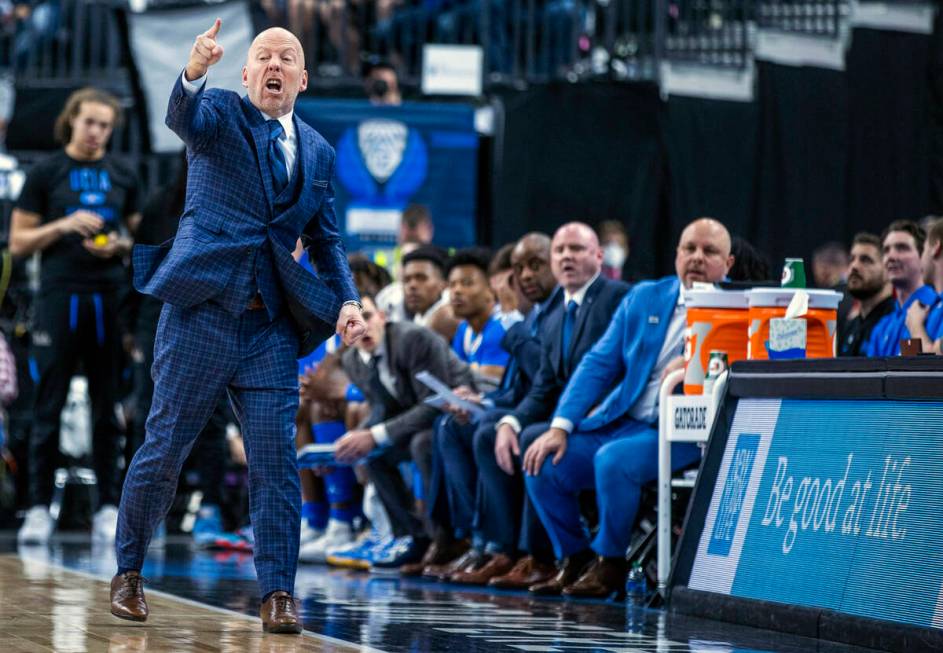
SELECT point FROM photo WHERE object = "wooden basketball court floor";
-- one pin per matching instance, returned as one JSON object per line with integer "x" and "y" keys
{"x": 55, "y": 598}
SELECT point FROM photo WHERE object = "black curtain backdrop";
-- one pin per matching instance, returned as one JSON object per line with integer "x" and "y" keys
{"x": 817, "y": 156}
{"x": 583, "y": 152}
{"x": 889, "y": 168}
{"x": 801, "y": 160}
{"x": 711, "y": 153}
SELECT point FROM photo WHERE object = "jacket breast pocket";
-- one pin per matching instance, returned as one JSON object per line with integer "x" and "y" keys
{"x": 209, "y": 225}
{"x": 201, "y": 225}
{"x": 320, "y": 184}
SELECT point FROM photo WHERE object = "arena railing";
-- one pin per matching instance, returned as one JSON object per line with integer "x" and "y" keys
{"x": 709, "y": 33}
{"x": 809, "y": 17}
{"x": 57, "y": 41}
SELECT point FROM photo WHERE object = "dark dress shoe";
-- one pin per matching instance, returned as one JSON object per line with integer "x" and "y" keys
{"x": 528, "y": 571}
{"x": 279, "y": 614}
{"x": 571, "y": 569}
{"x": 498, "y": 565}
{"x": 127, "y": 596}
{"x": 439, "y": 553}
{"x": 605, "y": 577}
{"x": 471, "y": 559}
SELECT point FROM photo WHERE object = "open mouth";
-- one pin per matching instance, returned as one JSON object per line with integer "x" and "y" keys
{"x": 273, "y": 85}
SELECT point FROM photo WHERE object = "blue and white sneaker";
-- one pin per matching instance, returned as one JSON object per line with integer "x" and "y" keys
{"x": 208, "y": 527}
{"x": 360, "y": 553}
{"x": 404, "y": 551}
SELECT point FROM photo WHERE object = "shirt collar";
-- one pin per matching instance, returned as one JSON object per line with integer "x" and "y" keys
{"x": 579, "y": 294}
{"x": 367, "y": 356}
{"x": 287, "y": 123}
{"x": 926, "y": 294}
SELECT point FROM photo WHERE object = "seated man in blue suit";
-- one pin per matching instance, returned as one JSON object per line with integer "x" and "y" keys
{"x": 238, "y": 310}
{"x": 606, "y": 438}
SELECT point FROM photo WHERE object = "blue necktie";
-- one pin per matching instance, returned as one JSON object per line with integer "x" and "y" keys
{"x": 277, "y": 157}
{"x": 569, "y": 321}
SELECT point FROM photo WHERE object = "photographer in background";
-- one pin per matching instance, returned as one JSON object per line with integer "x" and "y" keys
{"x": 381, "y": 83}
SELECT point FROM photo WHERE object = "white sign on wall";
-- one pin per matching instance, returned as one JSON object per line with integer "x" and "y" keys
{"x": 452, "y": 69}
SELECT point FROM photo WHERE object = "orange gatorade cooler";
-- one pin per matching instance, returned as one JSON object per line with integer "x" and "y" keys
{"x": 822, "y": 318}
{"x": 716, "y": 320}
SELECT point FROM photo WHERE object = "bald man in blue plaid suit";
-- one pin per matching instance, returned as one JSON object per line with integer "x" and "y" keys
{"x": 238, "y": 309}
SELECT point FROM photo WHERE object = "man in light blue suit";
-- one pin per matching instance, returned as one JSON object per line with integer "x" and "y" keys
{"x": 604, "y": 434}
{"x": 238, "y": 309}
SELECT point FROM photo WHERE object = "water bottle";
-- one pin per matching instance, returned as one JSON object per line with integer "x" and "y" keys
{"x": 636, "y": 585}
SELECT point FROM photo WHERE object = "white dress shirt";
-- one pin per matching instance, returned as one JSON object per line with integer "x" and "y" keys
{"x": 577, "y": 296}
{"x": 378, "y": 431}
{"x": 288, "y": 141}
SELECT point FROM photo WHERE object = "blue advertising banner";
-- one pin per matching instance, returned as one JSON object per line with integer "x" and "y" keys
{"x": 390, "y": 157}
{"x": 830, "y": 504}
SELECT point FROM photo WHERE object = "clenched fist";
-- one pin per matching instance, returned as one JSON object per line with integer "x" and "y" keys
{"x": 205, "y": 52}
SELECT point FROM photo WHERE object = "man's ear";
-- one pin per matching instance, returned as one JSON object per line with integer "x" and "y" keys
{"x": 245, "y": 77}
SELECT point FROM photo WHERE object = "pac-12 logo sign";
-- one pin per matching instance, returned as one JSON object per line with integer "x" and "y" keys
{"x": 731, "y": 500}
{"x": 381, "y": 163}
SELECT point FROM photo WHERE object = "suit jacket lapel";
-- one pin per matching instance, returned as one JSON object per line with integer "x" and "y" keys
{"x": 583, "y": 313}
{"x": 260, "y": 136}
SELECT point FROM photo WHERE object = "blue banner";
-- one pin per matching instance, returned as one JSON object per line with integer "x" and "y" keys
{"x": 830, "y": 504}
{"x": 390, "y": 157}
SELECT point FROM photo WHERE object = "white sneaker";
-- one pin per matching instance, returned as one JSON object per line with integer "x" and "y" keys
{"x": 105, "y": 524}
{"x": 37, "y": 527}
{"x": 374, "y": 511}
{"x": 338, "y": 534}
{"x": 309, "y": 534}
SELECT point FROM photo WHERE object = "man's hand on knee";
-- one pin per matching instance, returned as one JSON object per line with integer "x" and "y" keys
{"x": 551, "y": 442}
{"x": 506, "y": 447}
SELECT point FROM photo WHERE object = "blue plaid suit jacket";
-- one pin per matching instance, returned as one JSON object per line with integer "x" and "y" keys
{"x": 232, "y": 231}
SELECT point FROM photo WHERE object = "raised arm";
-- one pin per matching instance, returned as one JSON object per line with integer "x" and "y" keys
{"x": 191, "y": 119}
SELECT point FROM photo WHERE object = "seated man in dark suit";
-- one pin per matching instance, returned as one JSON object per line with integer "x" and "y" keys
{"x": 604, "y": 433}
{"x": 578, "y": 316}
{"x": 533, "y": 280}
{"x": 384, "y": 365}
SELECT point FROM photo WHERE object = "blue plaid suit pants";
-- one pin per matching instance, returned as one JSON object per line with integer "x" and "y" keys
{"x": 200, "y": 353}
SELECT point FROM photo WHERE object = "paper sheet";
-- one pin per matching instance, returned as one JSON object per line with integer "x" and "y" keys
{"x": 444, "y": 393}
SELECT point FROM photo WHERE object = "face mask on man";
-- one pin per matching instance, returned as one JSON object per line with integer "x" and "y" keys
{"x": 613, "y": 255}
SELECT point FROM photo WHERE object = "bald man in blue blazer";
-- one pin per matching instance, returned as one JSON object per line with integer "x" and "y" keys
{"x": 606, "y": 438}
{"x": 238, "y": 309}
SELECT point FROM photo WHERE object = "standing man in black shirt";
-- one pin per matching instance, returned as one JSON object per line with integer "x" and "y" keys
{"x": 868, "y": 284}
{"x": 73, "y": 208}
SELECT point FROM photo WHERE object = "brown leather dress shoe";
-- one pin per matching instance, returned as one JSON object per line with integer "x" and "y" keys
{"x": 498, "y": 565}
{"x": 471, "y": 559}
{"x": 439, "y": 553}
{"x": 528, "y": 571}
{"x": 127, "y": 596}
{"x": 571, "y": 569}
{"x": 605, "y": 577}
{"x": 279, "y": 614}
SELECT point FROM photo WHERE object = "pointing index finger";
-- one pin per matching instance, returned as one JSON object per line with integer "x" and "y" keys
{"x": 214, "y": 30}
